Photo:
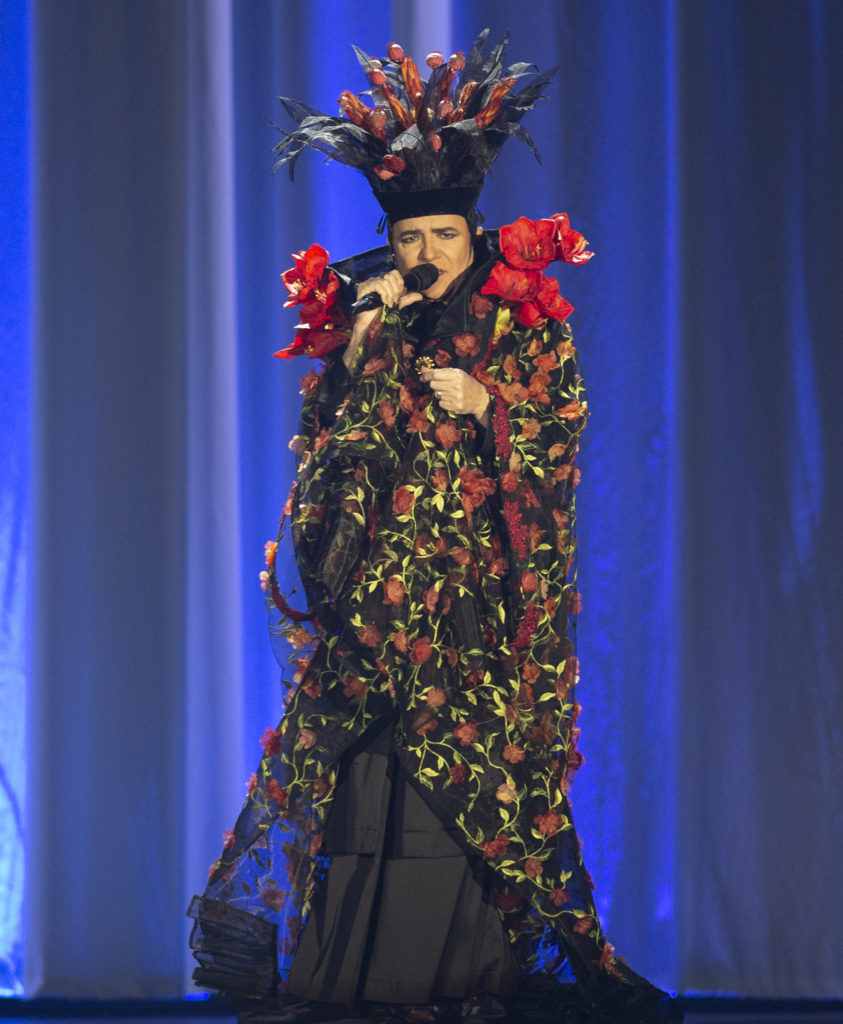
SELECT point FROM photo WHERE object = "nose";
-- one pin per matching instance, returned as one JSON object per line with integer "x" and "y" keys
{"x": 427, "y": 254}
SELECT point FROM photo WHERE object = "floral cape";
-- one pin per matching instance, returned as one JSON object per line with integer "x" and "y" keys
{"x": 439, "y": 564}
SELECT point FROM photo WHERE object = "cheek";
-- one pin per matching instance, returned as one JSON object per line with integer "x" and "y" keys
{"x": 404, "y": 261}
{"x": 463, "y": 258}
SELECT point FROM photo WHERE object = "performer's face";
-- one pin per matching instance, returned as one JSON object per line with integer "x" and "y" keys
{"x": 443, "y": 240}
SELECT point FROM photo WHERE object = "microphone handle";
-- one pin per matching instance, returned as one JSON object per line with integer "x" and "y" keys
{"x": 371, "y": 300}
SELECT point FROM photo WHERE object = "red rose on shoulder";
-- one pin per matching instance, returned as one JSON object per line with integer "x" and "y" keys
{"x": 529, "y": 244}
{"x": 547, "y": 303}
{"x": 307, "y": 277}
{"x": 569, "y": 244}
{"x": 511, "y": 284}
{"x": 312, "y": 285}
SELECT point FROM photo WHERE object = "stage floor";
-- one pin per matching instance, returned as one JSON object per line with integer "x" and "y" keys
{"x": 697, "y": 1011}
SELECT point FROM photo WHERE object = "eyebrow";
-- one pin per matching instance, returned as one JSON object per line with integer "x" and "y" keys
{"x": 436, "y": 231}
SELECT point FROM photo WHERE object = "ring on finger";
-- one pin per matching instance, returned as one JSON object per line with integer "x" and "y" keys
{"x": 439, "y": 395}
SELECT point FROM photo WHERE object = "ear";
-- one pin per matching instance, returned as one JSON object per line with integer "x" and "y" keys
{"x": 479, "y": 230}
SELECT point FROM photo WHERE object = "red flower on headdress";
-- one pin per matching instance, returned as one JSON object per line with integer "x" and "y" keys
{"x": 390, "y": 166}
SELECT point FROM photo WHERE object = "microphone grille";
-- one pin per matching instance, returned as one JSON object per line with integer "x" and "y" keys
{"x": 421, "y": 277}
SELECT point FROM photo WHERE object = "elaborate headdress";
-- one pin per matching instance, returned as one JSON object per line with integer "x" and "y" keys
{"x": 424, "y": 146}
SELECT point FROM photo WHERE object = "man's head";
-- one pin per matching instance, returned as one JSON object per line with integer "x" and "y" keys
{"x": 445, "y": 240}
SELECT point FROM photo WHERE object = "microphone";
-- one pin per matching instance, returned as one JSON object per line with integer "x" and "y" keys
{"x": 419, "y": 278}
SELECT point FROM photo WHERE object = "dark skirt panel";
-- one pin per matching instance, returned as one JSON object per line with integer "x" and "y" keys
{"x": 400, "y": 916}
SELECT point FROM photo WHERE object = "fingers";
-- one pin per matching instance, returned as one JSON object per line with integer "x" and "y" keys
{"x": 409, "y": 299}
{"x": 456, "y": 391}
{"x": 390, "y": 287}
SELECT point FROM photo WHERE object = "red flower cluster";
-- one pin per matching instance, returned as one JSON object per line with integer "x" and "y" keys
{"x": 475, "y": 487}
{"x": 533, "y": 244}
{"x": 510, "y": 899}
{"x": 271, "y": 742}
{"x": 324, "y": 326}
{"x": 549, "y": 823}
{"x": 466, "y": 732}
{"x": 495, "y": 847}
{"x": 528, "y": 246}
{"x": 276, "y": 793}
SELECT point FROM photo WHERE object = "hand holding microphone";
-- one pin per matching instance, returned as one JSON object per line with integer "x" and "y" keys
{"x": 390, "y": 290}
{"x": 384, "y": 288}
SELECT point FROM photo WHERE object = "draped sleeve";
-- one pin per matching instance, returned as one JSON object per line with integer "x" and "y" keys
{"x": 537, "y": 413}
{"x": 349, "y": 449}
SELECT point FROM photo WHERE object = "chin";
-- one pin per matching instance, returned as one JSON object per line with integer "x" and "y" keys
{"x": 440, "y": 289}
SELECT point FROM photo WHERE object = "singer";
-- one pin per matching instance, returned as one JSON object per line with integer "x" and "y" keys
{"x": 445, "y": 242}
{"x": 407, "y": 850}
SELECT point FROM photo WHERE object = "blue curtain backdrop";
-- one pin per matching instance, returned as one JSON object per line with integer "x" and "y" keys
{"x": 15, "y": 393}
{"x": 698, "y": 147}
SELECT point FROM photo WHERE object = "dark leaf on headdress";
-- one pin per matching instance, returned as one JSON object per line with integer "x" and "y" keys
{"x": 430, "y": 100}
{"x": 364, "y": 59}
{"x": 336, "y": 137}
{"x": 520, "y": 132}
{"x": 415, "y": 135}
{"x": 482, "y": 67}
{"x": 298, "y": 110}
{"x": 395, "y": 80}
{"x": 494, "y": 62}
{"x": 474, "y": 60}
{"x": 519, "y": 69}
{"x": 526, "y": 98}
